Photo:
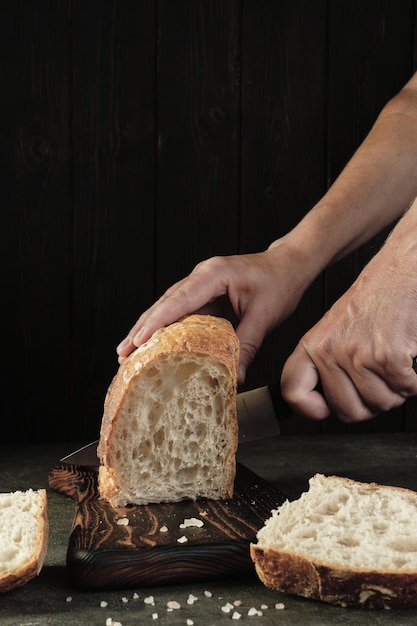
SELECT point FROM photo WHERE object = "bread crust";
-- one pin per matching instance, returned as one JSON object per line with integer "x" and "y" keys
{"x": 22, "y": 575}
{"x": 292, "y": 573}
{"x": 202, "y": 335}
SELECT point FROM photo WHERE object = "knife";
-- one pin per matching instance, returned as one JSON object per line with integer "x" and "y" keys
{"x": 258, "y": 412}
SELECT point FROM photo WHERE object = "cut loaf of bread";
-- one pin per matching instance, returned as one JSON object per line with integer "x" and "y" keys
{"x": 343, "y": 542}
{"x": 169, "y": 427}
{"x": 24, "y": 535}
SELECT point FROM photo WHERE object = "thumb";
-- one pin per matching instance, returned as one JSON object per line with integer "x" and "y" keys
{"x": 251, "y": 335}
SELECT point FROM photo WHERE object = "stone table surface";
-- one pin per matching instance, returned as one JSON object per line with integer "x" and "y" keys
{"x": 286, "y": 462}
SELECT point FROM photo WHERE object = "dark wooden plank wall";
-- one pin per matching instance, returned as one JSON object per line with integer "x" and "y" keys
{"x": 138, "y": 137}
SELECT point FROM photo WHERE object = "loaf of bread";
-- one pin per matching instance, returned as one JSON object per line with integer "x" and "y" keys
{"x": 343, "y": 542}
{"x": 24, "y": 535}
{"x": 169, "y": 428}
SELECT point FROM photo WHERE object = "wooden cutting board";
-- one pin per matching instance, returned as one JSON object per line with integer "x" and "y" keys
{"x": 105, "y": 552}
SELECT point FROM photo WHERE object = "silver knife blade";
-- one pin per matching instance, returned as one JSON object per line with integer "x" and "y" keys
{"x": 258, "y": 414}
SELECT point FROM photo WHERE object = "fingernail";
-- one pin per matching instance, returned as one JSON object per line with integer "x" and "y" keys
{"x": 137, "y": 339}
{"x": 123, "y": 344}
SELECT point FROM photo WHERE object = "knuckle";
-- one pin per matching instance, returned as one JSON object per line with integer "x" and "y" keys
{"x": 213, "y": 264}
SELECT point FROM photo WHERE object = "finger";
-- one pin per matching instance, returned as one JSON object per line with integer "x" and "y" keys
{"x": 397, "y": 371}
{"x": 299, "y": 380}
{"x": 378, "y": 390}
{"x": 185, "y": 297}
{"x": 251, "y": 331}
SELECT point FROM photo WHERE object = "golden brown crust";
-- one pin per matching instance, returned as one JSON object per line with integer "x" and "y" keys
{"x": 294, "y": 574}
{"x": 202, "y": 335}
{"x": 24, "y": 574}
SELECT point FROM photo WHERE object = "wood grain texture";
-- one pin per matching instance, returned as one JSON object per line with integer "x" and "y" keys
{"x": 112, "y": 81}
{"x": 104, "y": 554}
{"x": 198, "y": 134}
{"x": 137, "y": 138}
{"x": 35, "y": 193}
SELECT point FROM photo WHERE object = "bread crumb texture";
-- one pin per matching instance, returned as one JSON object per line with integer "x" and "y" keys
{"x": 344, "y": 542}
{"x": 169, "y": 428}
{"x": 24, "y": 535}
{"x": 348, "y": 523}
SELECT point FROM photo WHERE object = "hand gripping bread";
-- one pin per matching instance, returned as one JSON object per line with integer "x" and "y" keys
{"x": 343, "y": 542}
{"x": 169, "y": 427}
{"x": 24, "y": 534}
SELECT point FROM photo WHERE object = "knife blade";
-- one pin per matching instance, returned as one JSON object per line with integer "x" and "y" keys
{"x": 259, "y": 412}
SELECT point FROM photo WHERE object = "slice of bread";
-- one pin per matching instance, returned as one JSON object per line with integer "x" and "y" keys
{"x": 24, "y": 535}
{"x": 343, "y": 542}
{"x": 169, "y": 428}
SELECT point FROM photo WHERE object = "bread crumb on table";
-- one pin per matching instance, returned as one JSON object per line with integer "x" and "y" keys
{"x": 227, "y": 607}
{"x": 254, "y": 612}
{"x": 173, "y": 604}
{"x": 191, "y": 599}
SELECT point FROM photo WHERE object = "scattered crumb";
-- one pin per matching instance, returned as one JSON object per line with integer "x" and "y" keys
{"x": 173, "y": 604}
{"x": 190, "y": 622}
{"x": 236, "y": 615}
{"x": 192, "y": 522}
{"x": 182, "y": 539}
{"x": 103, "y": 604}
{"x": 154, "y": 615}
{"x": 264, "y": 607}
{"x": 227, "y": 607}
{"x": 123, "y": 521}
{"x": 149, "y": 600}
{"x": 135, "y": 596}
{"x": 191, "y": 599}
{"x": 237, "y": 602}
{"x": 69, "y": 599}
{"x": 253, "y": 611}
{"x": 124, "y": 599}
{"x": 208, "y": 594}
{"x": 163, "y": 529}
{"x": 280, "y": 605}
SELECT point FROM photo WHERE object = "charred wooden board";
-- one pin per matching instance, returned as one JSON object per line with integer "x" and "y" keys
{"x": 106, "y": 553}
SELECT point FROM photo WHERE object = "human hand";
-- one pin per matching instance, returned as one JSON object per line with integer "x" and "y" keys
{"x": 254, "y": 291}
{"x": 362, "y": 350}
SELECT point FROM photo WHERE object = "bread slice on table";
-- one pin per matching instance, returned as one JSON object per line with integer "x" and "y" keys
{"x": 343, "y": 542}
{"x": 169, "y": 428}
{"x": 24, "y": 535}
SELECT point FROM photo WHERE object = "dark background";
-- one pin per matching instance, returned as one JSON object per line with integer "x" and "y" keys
{"x": 138, "y": 137}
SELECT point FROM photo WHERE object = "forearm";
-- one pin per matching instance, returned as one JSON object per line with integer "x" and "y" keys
{"x": 374, "y": 189}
